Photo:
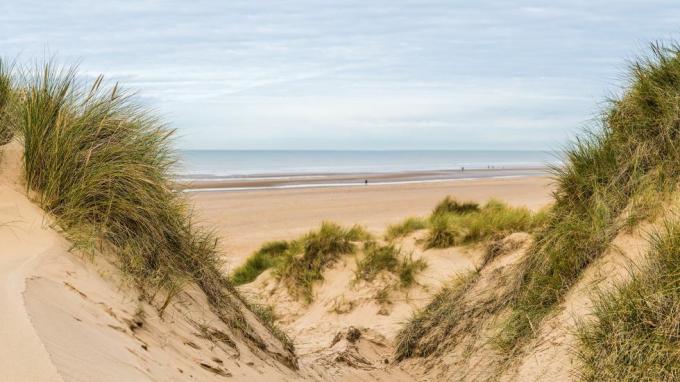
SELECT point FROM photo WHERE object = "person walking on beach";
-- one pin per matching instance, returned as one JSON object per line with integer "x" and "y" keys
{"x": 365, "y": 182}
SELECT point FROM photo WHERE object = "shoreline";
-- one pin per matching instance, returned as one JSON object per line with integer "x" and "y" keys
{"x": 331, "y": 180}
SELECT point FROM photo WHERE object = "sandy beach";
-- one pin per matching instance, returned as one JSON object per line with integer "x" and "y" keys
{"x": 246, "y": 219}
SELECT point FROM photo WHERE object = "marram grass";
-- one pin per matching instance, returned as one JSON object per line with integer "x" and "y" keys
{"x": 99, "y": 162}
{"x": 614, "y": 177}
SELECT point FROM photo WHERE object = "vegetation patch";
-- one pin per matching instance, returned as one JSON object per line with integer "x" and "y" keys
{"x": 451, "y": 206}
{"x": 378, "y": 258}
{"x": 613, "y": 178}
{"x": 99, "y": 162}
{"x": 319, "y": 250}
{"x": 453, "y": 228}
{"x": 635, "y": 335}
{"x": 266, "y": 257}
{"x": 405, "y": 228}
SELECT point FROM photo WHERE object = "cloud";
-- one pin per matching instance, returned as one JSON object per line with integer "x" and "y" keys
{"x": 384, "y": 74}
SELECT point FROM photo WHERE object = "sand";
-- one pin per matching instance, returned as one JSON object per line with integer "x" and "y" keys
{"x": 244, "y": 220}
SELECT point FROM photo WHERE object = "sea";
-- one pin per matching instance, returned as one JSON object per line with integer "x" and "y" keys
{"x": 206, "y": 165}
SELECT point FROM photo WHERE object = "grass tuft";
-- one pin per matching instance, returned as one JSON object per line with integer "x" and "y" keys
{"x": 99, "y": 162}
{"x": 451, "y": 206}
{"x": 266, "y": 257}
{"x": 378, "y": 258}
{"x": 320, "y": 249}
{"x": 449, "y": 229}
{"x": 6, "y": 95}
{"x": 405, "y": 228}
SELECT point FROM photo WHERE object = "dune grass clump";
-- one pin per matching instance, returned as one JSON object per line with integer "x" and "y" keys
{"x": 613, "y": 179}
{"x": 317, "y": 251}
{"x": 378, "y": 258}
{"x": 636, "y": 332}
{"x": 266, "y": 257}
{"x": 99, "y": 163}
{"x": 405, "y": 228}
{"x": 451, "y": 206}
{"x": 449, "y": 229}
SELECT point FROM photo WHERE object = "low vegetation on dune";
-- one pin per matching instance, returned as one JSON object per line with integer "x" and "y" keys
{"x": 99, "y": 163}
{"x": 405, "y": 228}
{"x": 458, "y": 224}
{"x": 378, "y": 258}
{"x": 636, "y": 334}
{"x": 266, "y": 257}
{"x": 300, "y": 263}
{"x": 451, "y": 206}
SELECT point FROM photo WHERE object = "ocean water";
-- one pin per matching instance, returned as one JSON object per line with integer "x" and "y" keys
{"x": 235, "y": 164}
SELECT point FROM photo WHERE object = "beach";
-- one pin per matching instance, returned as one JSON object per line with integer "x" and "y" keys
{"x": 246, "y": 219}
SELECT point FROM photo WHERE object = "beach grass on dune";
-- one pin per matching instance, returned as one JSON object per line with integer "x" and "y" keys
{"x": 458, "y": 226}
{"x": 319, "y": 250}
{"x": 614, "y": 178}
{"x": 99, "y": 162}
{"x": 300, "y": 263}
{"x": 389, "y": 258}
{"x": 636, "y": 332}
{"x": 405, "y": 228}
{"x": 266, "y": 257}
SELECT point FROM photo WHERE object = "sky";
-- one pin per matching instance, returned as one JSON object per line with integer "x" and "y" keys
{"x": 352, "y": 74}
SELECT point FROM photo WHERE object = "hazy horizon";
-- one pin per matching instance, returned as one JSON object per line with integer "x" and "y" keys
{"x": 434, "y": 75}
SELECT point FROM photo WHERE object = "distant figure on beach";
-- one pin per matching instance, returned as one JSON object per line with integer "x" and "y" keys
{"x": 366, "y": 182}
{"x": 462, "y": 169}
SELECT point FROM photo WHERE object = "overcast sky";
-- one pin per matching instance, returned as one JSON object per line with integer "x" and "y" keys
{"x": 352, "y": 74}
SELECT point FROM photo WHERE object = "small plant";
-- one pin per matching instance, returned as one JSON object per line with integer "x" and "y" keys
{"x": 448, "y": 229}
{"x": 319, "y": 250}
{"x": 266, "y": 257}
{"x": 378, "y": 258}
{"x": 452, "y": 206}
{"x": 408, "y": 269}
{"x": 405, "y": 228}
